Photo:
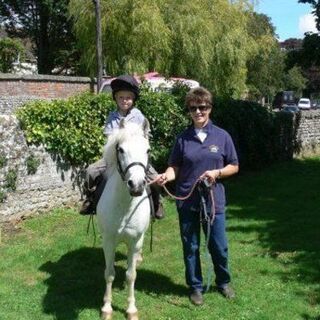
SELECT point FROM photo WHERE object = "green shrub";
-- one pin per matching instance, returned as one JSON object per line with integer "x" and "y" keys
{"x": 3, "y": 160}
{"x": 260, "y": 136}
{"x": 32, "y": 164}
{"x": 166, "y": 118}
{"x": 2, "y": 196}
{"x": 11, "y": 180}
{"x": 10, "y": 49}
{"x": 73, "y": 128}
{"x": 250, "y": 125}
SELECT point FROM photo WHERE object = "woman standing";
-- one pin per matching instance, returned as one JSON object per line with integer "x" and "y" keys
{"x": 206, "y": 152}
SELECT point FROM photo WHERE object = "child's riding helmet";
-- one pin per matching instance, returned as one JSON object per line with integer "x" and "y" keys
{"x": 125, "y": 82}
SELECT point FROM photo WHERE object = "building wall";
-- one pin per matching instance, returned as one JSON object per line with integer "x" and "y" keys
{"x": 43, "y": 86}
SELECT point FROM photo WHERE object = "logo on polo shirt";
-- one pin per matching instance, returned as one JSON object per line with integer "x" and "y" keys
{"x": 213, "y": 148}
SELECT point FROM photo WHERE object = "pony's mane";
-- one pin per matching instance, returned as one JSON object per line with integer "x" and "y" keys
{"x": 131, "y": 131}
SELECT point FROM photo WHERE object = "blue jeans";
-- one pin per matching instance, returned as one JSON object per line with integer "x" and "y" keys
{"x": 190, "y": 229}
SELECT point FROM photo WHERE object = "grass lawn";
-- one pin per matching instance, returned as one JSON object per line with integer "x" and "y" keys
{"x": 51, "y": 269}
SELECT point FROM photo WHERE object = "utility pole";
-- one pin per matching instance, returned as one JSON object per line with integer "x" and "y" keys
{"x": 98, "y": 44}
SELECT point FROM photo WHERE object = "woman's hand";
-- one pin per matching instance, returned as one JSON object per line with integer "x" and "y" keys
{"x": 168, "y": 175}
{"x": 162, "y": 179}
{"x": 211, "y": 175}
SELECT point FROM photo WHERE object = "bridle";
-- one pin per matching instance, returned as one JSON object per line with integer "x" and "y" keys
{"x": 122, "y": 171}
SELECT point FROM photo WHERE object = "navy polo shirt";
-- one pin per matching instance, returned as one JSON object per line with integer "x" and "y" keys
{"x": 194, "y": 157}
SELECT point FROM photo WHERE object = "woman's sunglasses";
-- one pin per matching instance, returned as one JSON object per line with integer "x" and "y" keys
{"x": 201, "y": 108}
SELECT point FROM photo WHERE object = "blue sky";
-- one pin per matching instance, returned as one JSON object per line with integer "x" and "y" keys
{"x": 290, "y": 18}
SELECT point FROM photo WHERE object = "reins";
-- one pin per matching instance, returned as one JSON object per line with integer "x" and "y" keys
{"x": 189, "y": 195}
{"x": 185, "y": 197}
{"x": 91, "y": 222}
{"x": 174, "y": 196}
{"x": 208, "y": 219}
{"x": 204, "y": 217}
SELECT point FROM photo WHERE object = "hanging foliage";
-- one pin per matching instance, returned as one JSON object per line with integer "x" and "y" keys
{"x": 204, "y": 40}
{"x": 10, "y": 51}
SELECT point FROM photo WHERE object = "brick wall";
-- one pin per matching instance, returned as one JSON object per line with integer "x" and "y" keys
{"x": 43, "y": 86}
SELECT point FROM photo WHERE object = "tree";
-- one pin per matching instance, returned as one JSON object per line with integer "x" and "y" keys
{"x": 295, "y": 81}
{"x": 310, "y": 54}
{"x": 316, "y": 10}
{"x": 265, "y": 72}
{"x": 46, "y": 23}
{"x": 98, "y": 44}
{"x": 260, "y": 25}
{"x": 199, "y": 39}
{"x": 134, "y": 35}
{"x": 307, "y": 58}
{"x": 208, "y": 43}
{"x": 10, "y": 50}
{"x": 266, "y": 64}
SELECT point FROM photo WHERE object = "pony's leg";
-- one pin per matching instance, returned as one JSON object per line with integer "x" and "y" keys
{"x": 109, "y": 252}
{"x": 134, "y": 254}
{"x": 139, "y": 257}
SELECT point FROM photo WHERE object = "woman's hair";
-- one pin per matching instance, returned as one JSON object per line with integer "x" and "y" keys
{"x": 198, "y": 95}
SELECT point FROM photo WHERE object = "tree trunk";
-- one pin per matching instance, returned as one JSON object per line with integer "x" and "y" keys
{"x": 98, "y": 44}
{"x": 44, "y": 63}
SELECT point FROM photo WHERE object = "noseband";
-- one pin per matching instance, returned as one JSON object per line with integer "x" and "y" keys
{"x": 122, "y": 171}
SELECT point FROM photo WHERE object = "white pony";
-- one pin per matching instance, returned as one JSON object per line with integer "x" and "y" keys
{"x": 123, "y": 211}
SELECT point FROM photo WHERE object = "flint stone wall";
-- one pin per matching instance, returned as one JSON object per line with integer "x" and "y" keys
{"x": 53, "y": 184}
{"x": 309, "y": 131}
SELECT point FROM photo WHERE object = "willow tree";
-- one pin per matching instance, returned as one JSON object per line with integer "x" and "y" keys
{"x": 134, "y": 35}
{"x": 266, "y": 63}
{"x": 204, "y": 40}
{"x": 232, "y": 47}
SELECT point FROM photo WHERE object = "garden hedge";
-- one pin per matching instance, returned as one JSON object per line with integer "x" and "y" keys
{"x": 73, "y": 128}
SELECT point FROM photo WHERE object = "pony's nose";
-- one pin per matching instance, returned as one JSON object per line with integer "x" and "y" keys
{"x": 131, "y": 184}
{"x": 136, "y": 189}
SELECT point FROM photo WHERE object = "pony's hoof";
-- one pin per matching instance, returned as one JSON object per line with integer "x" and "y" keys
{"x": 133, "y": 316}
{"x": 106, "y": 315}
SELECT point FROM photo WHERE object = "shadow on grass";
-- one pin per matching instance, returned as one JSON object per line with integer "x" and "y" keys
{"x": 282, "y": 204}
{"x": 76, "y": 282}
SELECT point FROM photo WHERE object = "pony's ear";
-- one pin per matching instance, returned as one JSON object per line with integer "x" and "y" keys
{"x": 146, "y": 127}
{"x": 122, "y": 123}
